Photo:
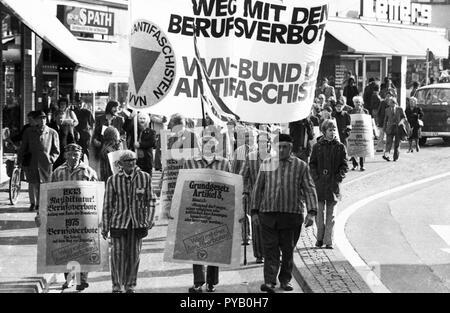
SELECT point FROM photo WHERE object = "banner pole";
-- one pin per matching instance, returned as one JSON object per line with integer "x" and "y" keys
{"x": 136, "y": 129}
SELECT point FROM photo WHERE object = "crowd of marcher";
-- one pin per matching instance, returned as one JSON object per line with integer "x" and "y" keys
{"x": 285, "y": 171}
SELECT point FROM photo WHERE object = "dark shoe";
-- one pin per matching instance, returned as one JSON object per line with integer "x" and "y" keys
{"x": 362, "y": 169}
{"x": 117, "y": 291}
{"x": 379, "y": 150}
{"x": 82, "y": 286}
{"x": 32, "y": 207}
{"x": 65, "y": 286}
{"x": 269, "y": 288}
{"x": 287, "y": 286}
{"x": 354, "y": 168}
{"x": 319, "y": 243}
{"x": 131, "y": 290}
{"x": 245, "y": 243}
{"x": 210, "y": 288}
{"x": 259, "y": 260}
{"x": 195, "y": 289}
{"x": 329, "y": 247}
{"x": 386, "y": 158}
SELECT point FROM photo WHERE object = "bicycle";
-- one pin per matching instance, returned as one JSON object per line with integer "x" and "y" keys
{"x": 15, "y": 174}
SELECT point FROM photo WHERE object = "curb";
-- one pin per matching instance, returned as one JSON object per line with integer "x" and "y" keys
{"x": 323, "y": 270}
{"x": 28, "y": 284}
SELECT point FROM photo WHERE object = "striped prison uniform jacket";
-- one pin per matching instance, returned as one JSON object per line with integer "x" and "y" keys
{"x": 218, "y": 163}
{"x": 128, "y": 199}
{"x": 240, "y": 155}
{"x": 280, "y": 186}
{"x": 80, "y": 173}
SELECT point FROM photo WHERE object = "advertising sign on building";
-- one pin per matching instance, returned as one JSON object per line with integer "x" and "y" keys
{"x": 401, "y": 11}
{"x": 84, "y": 20}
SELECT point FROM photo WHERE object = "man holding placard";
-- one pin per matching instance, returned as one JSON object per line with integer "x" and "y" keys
{"x": 208, "y": 160}
{"x": 73, "y": 170}
{"x": 281, "y": 184}
{"x": 128, "y": 214}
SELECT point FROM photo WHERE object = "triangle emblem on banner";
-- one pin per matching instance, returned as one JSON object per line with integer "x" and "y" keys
{"x": 142, "y": 62}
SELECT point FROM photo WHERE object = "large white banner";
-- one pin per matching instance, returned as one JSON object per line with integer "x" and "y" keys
{"x": 205, "y": 228}
{"x": 262, "y": 57}
{"x": 69, "y": 236}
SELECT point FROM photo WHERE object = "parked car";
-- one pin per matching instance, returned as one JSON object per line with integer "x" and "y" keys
{"x": 435, "y": 103}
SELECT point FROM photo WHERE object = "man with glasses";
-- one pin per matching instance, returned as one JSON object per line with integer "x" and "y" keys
{"x": 128, "y": 213}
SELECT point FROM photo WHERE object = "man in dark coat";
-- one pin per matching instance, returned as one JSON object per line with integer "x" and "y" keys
{"x": 302, "y": 132}
{"x": 350, "y": 91}
{"x": 38, "y": 152}
{"x": 343, "y": 122}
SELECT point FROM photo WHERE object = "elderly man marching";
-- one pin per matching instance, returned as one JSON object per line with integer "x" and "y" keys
{"x": 281, "y": 184}
{"x": 128, "y": 213}
{"x": 209, "y": 160}
{"x": 74, "y": 170}
{"x": 249, "y": 173}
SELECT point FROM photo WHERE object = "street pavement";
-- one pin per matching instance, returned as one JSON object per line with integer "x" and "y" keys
{"x": 317, "y": 270}
{"x": 18, "y": 242}
{"x": 394, "y": 234}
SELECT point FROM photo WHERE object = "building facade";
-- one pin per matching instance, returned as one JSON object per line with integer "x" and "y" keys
{"x": 385, "y": 38}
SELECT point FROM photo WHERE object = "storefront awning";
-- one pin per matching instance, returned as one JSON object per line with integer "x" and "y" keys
{"x": 113, "y": 58}
{"x": 366, "y": 38}
{"x": 37, "y": 16}
{"x": 357, "y": 38}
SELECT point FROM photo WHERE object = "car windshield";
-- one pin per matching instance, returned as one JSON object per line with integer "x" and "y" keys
{"x": 433, "y": 96}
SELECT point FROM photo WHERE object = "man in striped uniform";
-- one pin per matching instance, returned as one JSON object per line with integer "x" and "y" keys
{"x": 211, "y": 161}
{"x": 249, "y": 173}
{"x": 74, "y": 170}
{"x": 277, "y": 207}
{"x": 128, "y": 213}
{"x": 240, "y": 155}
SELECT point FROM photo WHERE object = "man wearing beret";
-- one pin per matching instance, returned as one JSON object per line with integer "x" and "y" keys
{"x": 128, "y": 213}
{"x": 39, "y": 150}
{"x": 73, "y": 170}
{"x": 282, "y": 182}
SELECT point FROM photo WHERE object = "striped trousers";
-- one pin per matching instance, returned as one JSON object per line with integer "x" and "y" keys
{"x": 125, "y": 257}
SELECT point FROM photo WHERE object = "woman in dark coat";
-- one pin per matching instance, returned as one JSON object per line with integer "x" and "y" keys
{"x": 110, "y": 118}
{"x": 414, "y": 114}
{"x": 328, "y": 166}
{"x": 146, "y": 141}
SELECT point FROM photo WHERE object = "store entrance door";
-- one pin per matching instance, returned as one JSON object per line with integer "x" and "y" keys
{"x": 50, "y": 90}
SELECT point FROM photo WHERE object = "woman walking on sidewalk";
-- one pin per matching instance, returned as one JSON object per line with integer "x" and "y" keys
{"x": 415, "y": 116}
{"x": 328, "y": 167}
{"x": 359, "y": 109}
